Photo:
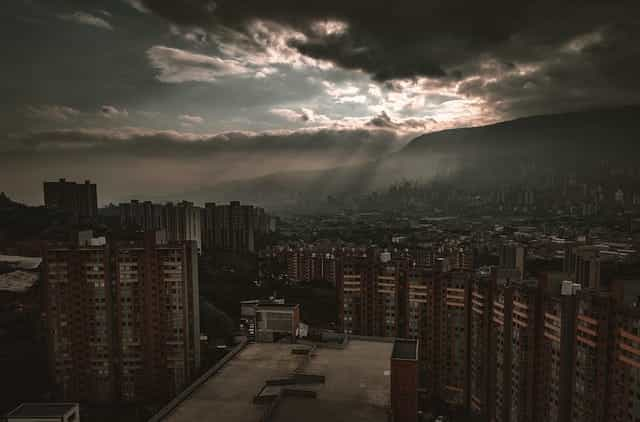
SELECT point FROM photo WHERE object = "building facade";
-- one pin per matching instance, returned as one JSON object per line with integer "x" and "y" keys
{"x": 307, "y": 265}
{"x": 77, "y": 199}
{"x": 181, "y": 221}
{"x": 591, "y": 377}
{"x": 144, "y": 215}
{"x": 404, "y": 380}
{"x": 497, "y": 346}
{"x": 454, "y": 335}
{"x": 624, "y": 368}
{"x": 234, "y": 227}
{"x": 122, "y": 318}
{"x": 482, "y": 288}
{"x": 512, "y": 256}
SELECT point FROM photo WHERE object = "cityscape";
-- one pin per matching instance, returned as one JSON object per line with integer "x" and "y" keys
{"x": 246, "y": 211}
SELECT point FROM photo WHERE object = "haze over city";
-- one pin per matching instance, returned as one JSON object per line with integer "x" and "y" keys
{"x": 319, "y": 211}
{"x": 199, "y": 92}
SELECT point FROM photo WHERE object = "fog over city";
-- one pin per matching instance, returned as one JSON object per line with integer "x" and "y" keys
{"x": 156, "y": 98}
{"x": 320, "y": 211}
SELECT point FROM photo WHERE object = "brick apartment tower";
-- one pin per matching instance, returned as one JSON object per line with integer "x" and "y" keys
{"x": 389, "y": 277}
{"x": 122, "y": 318}
{"x": 591, "y": 375}
{"x": 430, "y": 329}
{"x": 482, "y": 288}
{"x": 78, "y": 199}
{"x": 356, "y": 291}
{"x": 454, "y": 337}
{"x": 404, "y": 381}
{"x": 515, "y": 324}
{"x": 307, "y": 265}
{"x": 503, "y": 348}
{"x": 233, "y": 227}
{"x": 624, "y": 367}
{"x": 557, "y": 353}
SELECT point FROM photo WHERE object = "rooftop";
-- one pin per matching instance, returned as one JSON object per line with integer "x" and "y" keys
{"x": 278, "y": 305}
{"x": 41, "y": 410}
{"x": 17, "y": 281}
{"x": 21, "y": 262}
{"x": 405, "y": 349}
{"x": 355, "y": 385}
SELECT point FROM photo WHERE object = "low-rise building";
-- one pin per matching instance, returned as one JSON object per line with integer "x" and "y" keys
{"x": 45, "y": 412}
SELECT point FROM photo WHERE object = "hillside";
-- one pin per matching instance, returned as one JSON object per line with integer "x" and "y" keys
{"x": 518, "y": 151}
{"x": 7, "y": 203}
{"x": 594, "y": 128}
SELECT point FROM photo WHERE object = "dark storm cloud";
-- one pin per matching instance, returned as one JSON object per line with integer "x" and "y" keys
{"x": 591, "y": 70}
{"x": 479, "y": 44}
{"x": 408, "y": 38}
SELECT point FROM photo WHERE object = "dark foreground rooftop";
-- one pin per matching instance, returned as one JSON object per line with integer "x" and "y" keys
{"x": 41, "y": 410}
{"x": 355, "y": 385}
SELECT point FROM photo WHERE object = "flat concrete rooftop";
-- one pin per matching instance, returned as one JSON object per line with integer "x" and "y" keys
{"x": 356, "y": 388}
{"x": 356, "y": 385}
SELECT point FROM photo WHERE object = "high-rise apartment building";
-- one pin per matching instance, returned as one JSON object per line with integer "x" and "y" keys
{"x": 624, "y": 367}
{"x": 78, "y": 199}
{"x": 306, "y": 265}
{"x": 180, "y": 221}
{"x": 356, "y": 292}
{"x": 502, "y": 348}
{"x": 583, "y": 264}
{"x": 512, "y": 256}
{"x": 587, "y": 270}
{"x": 145, "y": 215}
{"x": 391, "y": 296}
{"x": 234, "y": 227}
{"x": 482, "y": 288}
{"x": 428, "y": 280}
{"x": 454, "y": 335}
{"x": 122, "y": 318}
{"x": 500, "y": 393}
{"x": 387, "y": 315}
{"x": 515, "y": 324}
{"x": 419, "y": 282}
{"x": 557, "y": 352}
{"x": 591, "y": 366}
{"x": 371, "y": 290}
{"x": 461, "y": 259}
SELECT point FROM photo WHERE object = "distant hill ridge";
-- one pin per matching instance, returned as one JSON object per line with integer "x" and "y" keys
{"x": 586, "y": 128}
{"x": 6, "y": 202}
{"x": 506, "y": 152}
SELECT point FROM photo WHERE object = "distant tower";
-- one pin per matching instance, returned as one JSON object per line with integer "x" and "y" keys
{"x": 513, "y": 256}
{"x": 619, "y": 196}
{"x": 78, "y": 199}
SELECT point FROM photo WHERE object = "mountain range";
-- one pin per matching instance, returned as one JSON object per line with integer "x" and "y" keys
{"x": 508, "y": 152}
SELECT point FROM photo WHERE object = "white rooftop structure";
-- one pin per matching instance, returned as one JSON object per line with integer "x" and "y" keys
{"x": 21, "y": 262}
{"x": 45, "y": 412}
{"x": 17, "y": 281}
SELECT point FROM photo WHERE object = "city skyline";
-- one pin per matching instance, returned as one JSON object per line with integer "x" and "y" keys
{"x": 349, "y": 210}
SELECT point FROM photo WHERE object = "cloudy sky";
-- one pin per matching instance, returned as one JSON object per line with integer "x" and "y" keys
{"x": 158, "y": 96}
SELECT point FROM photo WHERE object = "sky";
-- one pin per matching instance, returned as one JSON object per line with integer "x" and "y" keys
{"x": 153, "y": 97}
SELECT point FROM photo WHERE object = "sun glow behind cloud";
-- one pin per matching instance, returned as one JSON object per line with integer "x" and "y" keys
{"x": 264, "y": 52}
{"x": 335, "y": 69}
